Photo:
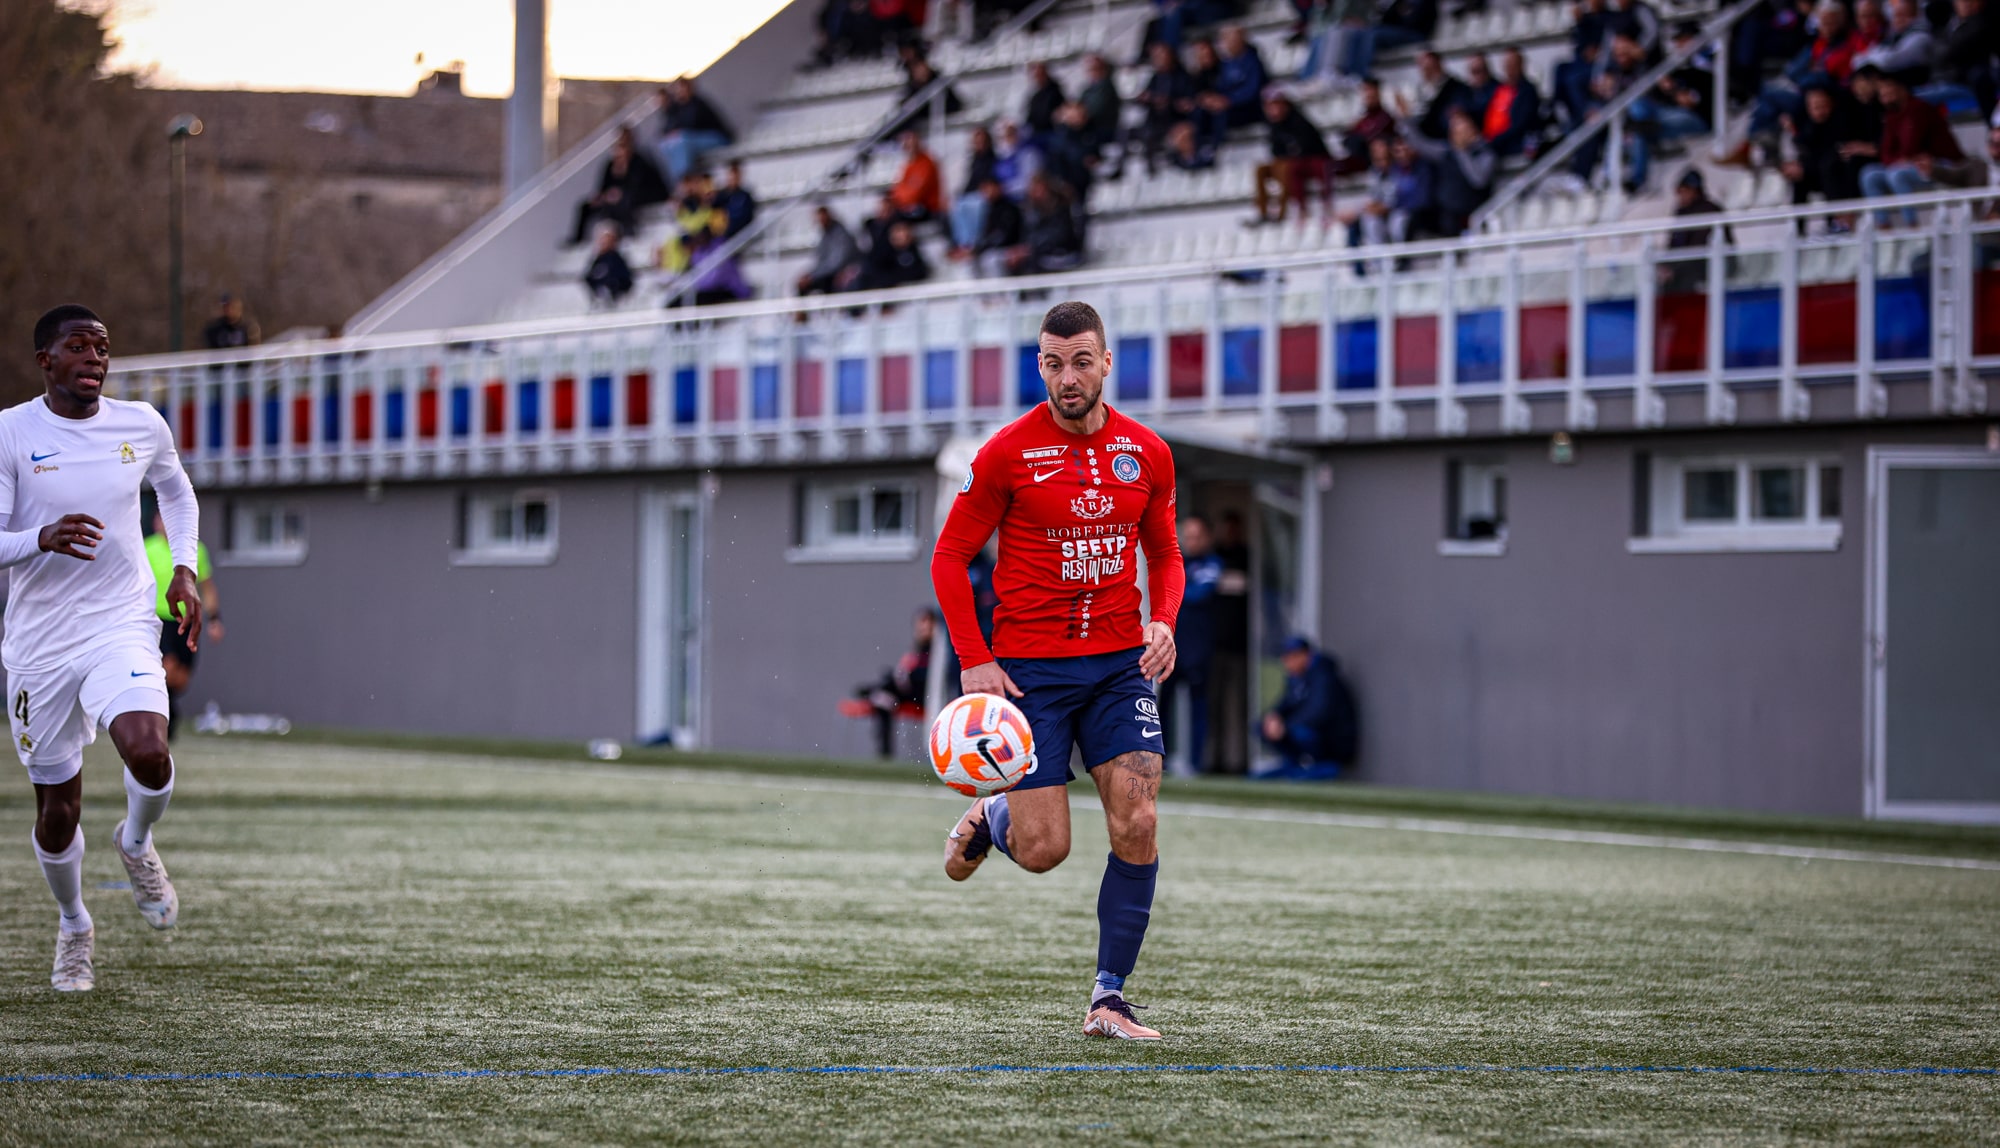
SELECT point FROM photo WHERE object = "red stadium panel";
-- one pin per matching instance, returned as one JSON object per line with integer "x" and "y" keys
{"x": 1298, "y": 359}
{"x": 493, "y": 408}
{"x": 1680, "y": 332}
{"x": 1986, "y": 312}
{"x": 986, "y": 376}
{"x": 722, "y": 392}
{"x": 1826, "y": 323}
{"x": 427, "y": 413}
{"x": 808, "y": 388}
{"x": 638, "y": 399}
{"x": 1416, "y": 350}
{"x": 564, "y": 407}
{"x": 895, "y": 383}
{"x": 185, "y": 423}
{"x": 243, "y": 422}
{"x": 1545, "y": 342}
{"x": 364, "y": 416}
{"x": 302, "y": 420}
{"x": 1184, "y": 365}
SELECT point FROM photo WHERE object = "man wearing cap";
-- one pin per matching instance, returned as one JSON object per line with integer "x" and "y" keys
{"x": 1313, "y": 729}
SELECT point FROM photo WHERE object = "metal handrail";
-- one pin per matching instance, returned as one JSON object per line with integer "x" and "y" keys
{"x": 1612, "y": 114}
{"x": 840, "y": 169}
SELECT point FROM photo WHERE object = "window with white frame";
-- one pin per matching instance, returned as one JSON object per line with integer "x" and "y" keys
{"x": 857, "y": 520}
{"x": 1475, "y": 508}
{"x": 507, "y": 528}
{"x": 1738, "y": 502}
{"x": 264, "y": 533}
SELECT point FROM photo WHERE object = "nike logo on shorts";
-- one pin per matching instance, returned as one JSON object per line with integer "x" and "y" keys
{"x": 1149, "y": 733}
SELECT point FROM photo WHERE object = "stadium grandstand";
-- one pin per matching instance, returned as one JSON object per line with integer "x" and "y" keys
{"x": 1647, "y": 357}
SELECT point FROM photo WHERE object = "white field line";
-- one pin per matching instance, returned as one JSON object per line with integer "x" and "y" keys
{"x": 880, "y": 789}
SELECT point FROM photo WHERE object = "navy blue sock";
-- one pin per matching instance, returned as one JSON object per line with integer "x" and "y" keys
{"x": 996, "y": 821}
{"x": 1124, "y": 905}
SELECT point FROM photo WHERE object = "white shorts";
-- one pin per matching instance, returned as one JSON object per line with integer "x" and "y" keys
{"x": 56, "y": 712}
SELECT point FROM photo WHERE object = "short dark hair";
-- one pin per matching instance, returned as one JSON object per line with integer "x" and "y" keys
{"x": 49, "y": 327}
{"x": 1070, "y": 319}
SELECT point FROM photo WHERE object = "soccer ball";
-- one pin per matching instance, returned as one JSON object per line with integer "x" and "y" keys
{"x": 981, "y": 744}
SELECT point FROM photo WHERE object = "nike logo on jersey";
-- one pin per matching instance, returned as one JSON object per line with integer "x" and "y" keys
{"x": 141, "y": 674}
{"x": 1149, "y": 733}
{"x": 1042, "y": 474}
{"x": 40, "y": 457}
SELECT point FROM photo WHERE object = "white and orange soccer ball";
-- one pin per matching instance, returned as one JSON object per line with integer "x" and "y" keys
{"x": 981, "y": 744}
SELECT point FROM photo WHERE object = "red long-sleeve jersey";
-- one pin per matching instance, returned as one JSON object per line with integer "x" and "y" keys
{"x": 1073, "y": 511}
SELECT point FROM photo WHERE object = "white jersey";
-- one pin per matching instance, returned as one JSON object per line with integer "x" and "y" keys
{"x": 50, "y": 466}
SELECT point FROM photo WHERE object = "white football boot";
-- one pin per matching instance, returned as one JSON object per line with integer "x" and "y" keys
{"x": 151, "y": 890}
{"x": 74, "y": 972}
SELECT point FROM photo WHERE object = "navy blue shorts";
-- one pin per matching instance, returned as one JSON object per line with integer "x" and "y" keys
{"x": 1098, "y": 703}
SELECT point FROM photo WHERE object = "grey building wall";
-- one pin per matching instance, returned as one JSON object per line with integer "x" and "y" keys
{"x": 1571, "y": 667}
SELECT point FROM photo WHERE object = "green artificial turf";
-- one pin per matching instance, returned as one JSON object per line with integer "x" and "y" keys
{"x": 364, "y": 909}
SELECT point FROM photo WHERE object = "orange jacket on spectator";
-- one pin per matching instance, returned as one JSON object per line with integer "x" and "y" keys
{"x": 1915, "y": 129}
{"x": 920, "y": 186}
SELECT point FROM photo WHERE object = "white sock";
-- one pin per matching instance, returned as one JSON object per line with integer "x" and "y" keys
{"x": 64, "y": 872}
{"x": 142, "y": 808}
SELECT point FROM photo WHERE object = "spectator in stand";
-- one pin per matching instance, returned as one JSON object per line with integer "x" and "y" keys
{"x": 691, "y": 223}
{"x": 1299, "y": 159}
{"x": 906, "y": 684}
{"x": 734, "y": 200}
{"x": 1816, "y": 162}
{"x": 1071, "y": 153}
{"x": 718, "y": 278}
{"x": 1239, "y": 86}
{"x": 1173, "y": 18}
{"x": 1907, "y": 46}
{"x": 919, "y": 76}
{"x": 1440, "y": 90}
{"x": 1203, "y": 67}
{"x": 1398, "y": 198}
{"x": 1051, "y": 239}
{"x": 1514, "y": 114}
{"x": 1691, "y": 198}
{"x": 1415, "y": 180}
{"x": 1184, "y": 150}
{"x": 919, "y": 191}
{"x": 1830, "y": 54}
{"x": 1168, "y": 99}
{"x": 1375, "y": 124}
{"x": 1871, "y": 27}
{"x": 1463, "y": 169}
{"x": 1623, "y": 66}
{"x": 1964, "y": 75}
{"x": 875, "y": 229}
{"x": 899, "y": 20}
{"x": 1334, "y": 59}
{"x": 1369, "y": 224}
{"x": 1044, "y": 97}
{"x": 229, "y": 328}
{"x": 1681, "y": 105}
{"x": 1002, "y": 233}
{"x": 834, "y": 258}
{"x": 1186, "y": 691}
{"x": 629, "y": 182}
{"x": 1401, "y": 23}
{"x": 1020, "y": 160}
{"x": 690, "y": 128}
{"x": 1313, "y": 729}
{"x": 1102, "y": 106}
{"x": 895, "y": 261}
{"x": 968, "y": 211}
{"x": 1638, "y": 18}
{"x": 848, "y": 31}
{"x": 1480, "y": 86}
{"x": 1918, "y": 150}
{"x": 609, "y": 277}
{"x": 1588, "y": 23}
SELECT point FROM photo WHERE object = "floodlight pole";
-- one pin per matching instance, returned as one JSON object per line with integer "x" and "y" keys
{"x": 178, "y": 132}
{"x": 531, "y": 109}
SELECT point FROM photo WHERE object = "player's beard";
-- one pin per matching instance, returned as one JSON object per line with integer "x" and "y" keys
{"x": 1083, "y": 407}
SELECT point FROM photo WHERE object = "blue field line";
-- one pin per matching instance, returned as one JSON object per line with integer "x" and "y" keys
{"x": 973, "y": 1069}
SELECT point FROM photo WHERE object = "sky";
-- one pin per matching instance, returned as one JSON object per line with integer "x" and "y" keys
{"x": 372, "y": 45}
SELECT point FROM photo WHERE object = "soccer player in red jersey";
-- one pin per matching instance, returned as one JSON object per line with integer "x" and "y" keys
{"x": 1076, "y": 491}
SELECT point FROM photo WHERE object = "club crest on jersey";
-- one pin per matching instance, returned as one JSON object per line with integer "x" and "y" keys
{"x": 126, "y": 453}
{"x": 1092, "y": 503}
{"x": 1125, "y": 468}
{"x": 967, "y": 488}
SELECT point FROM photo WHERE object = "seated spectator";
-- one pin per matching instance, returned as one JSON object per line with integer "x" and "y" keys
{"x": 1299, "y": 158}
{"x": 1313, "y": 729}
{"x": 1239, "y": 87}
{"x": 1830, "y": 55}
{"x": 1334, "y": 59}
{"x": 1514, "y": 114}
{"x": 1870, "y": 29}
{"x": 692, "y": 211}
{"x": 1184, "y": 149}
{"x": 1001, "y": 234}
{"x": 1638, "y": 18}
{"x": 1463, "y": 167}
{"x": 1480, "y": 87}
{"x": 894, "y": 262}
{"x": 1018, "y": 160}
{"x": 1817, "y": 161}
{"x": 918, "y": 194}
{"x": 1908, "y": 46}
{"x": 1440, "y": 90}
{"x": 1401, "y": 23}
{"x": 229, "y": 328}
{"x": 629, "y": 182}
{"x": 1399, "y": 192}
{"x": 690, "y": 128}
{"x": 1203, "y": 67}
{"x": 875, "y": 229}
{"x": 1102, "y": 105}
{"x": 1168, "y": 99}
{"x": 919, "y": 77}
{"x": 609, "y": 277}
{"x": 718, "y": 277}
{"x": 1625, "y": 63}
{"x": 1590, "y": 21}
{"x": 734, "y": 200}
{"x": 844, "y": 29}
{"x": 1375, "y": 124}
{"x": 1963, "y": 78}
{"x": 1917, "y": 153}
{"x": 1044, "y": 97}
{"x": 834, "y": 258}
{"x": 1681, "y": 105}
{"x": 1051, "y": 238}
{"x": 899, "y": 20}
{"x": 906, "y": 684}
{"x": 1070, "y": 153}
{"x": 1173, "y": 18}
{"x": 968, "y": 211}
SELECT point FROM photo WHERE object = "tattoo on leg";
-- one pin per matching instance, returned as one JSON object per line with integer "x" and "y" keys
{"x": 1141, "y": 772}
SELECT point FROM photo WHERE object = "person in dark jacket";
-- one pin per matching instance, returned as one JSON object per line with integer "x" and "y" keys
{"x": 1375, "y": 123}
{"x": 1186, "y": 692}
{"x": 1168, "y": 99}
{"x": 1239, "y": 85}
{"x": 734, "y": 200}
{"x": 229, "y": 328}
{"x": 1966, "y": 45}
{"x": 894, "y": 262}
{"x": 1817, "y": 163}
{"x": 1100, "y": 99}
{"x": 1442, "y": 92}
{"x": 629, "y": 182}
{"x": 609, "y": 277}
{"x": 1314, "y": 728}
{"x": 1000, "y": 235}
{"x": 1299, "y": 159}
{"x": 920, "y": 76}
{"x": 1465, "y": 168}
{"x": 1917, "y": 153}
{"x": 690, "y": 128}
{"x": 1052, "y": 240}
{"x": 1691, "y": 275}
{"x": 1044, "y": 97}
{"x": 908, "y": 683}
{"x": 834, "y": 259}
{"x": 1514, "y": 114}
{"x": 968, "y": 211}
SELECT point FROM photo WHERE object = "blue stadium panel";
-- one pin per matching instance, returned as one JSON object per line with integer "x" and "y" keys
{"x": 1752, "y": 320}
{"x": 273, "y": 420}
{"x": 215, "y": 422}
{"x": 1480, "y": 350}
{"x": 850, "y": 390}
{"x": 329, "y": 412}
{"x": 764, "y": 392}
{"x": 940, "y": 381}
{"x": 1610, "y": 336}
{"x": 1133, "y": 362}
{"x": 392, "y": 415}
{"x": 528, "y": 401}
{"x": 461, "y": 412}
{"x": 1242, "y": 349}
{"x": 600, "y": 402}
{"x": 1903, "y": 318}
{"x": 1030, "y": 389}
{"x": 687, "y": 397}
{"x": 1354, "y": 348}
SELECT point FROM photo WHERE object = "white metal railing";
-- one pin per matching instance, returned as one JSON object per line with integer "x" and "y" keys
{"x": 1294, "y": 347}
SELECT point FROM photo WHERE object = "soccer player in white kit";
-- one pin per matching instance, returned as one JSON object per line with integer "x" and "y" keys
{"x": 82, "y": 647}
